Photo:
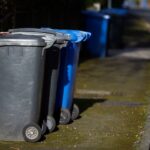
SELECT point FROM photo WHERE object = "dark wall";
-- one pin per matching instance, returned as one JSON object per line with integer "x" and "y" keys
{"x": 7, "y": 14}
{"x": 117, "y": 4}
{"x": 41, "y": 13}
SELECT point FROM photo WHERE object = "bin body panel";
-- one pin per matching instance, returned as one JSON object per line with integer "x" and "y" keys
{"x": 116, "y": 32}
{"x": 21, "y": 89}
{"x": 52, "y": 64}
{"x": 54, "y": 80}
{"x": 67, "y": 75}
{"x": 97, "y": 45}
{"x": 118, "y": 21}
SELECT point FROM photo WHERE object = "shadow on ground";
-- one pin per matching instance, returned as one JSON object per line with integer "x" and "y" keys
{"x": 85, "y": 103}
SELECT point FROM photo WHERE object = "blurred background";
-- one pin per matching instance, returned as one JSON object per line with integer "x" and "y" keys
{"x": 60, "y": 13}
{"x": 116, "y": 89}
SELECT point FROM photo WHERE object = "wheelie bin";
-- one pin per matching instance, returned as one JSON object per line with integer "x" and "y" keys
{"x": 117, "y": 24}
{"x": 98, "y": 24}
{"x": 21, "y": 78}
{"x": 67, "y": 75}
{"x": 51, "y": 70}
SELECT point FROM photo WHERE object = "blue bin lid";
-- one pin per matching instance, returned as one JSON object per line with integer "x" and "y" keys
{"x": 75, "y": 35}
{"x": 115, "y": 11}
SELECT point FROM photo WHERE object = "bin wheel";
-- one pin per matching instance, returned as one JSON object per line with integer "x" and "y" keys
{"x": 75, "y": 112}
{"x": 44, "y": 127}
{"x": 51, "y": 123}
{"x": 32, "y": 133}
{"x": 65, "y": 116}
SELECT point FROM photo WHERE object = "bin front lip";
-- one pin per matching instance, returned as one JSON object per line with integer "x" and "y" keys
{"x": 49, "y": 38}
{"x": 43, "y": 31}
{"x": 22, "y": 42}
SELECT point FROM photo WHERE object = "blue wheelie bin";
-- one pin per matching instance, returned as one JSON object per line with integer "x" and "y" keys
{"x": 117, "y": 24}
{"x": 67, "y": 75}
{"x": 98, "y": 24}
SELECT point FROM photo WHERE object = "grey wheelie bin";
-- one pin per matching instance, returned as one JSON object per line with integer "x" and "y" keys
{"x": 51, "y": 70}
{"x": 21, "y": 78}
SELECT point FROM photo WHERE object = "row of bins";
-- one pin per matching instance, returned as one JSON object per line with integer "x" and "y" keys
{"x": 38, "y": 71}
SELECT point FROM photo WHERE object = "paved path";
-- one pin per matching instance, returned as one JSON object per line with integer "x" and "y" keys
{"x": 138, "y": 53}
{"x": 134, "y": 53}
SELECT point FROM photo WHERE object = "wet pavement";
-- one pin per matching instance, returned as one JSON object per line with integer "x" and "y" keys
{"x": 124, "y": 86}
{"x": 113, "y": 96}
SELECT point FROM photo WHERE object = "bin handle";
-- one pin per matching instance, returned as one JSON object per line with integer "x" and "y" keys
{"x": 46, "y": 47}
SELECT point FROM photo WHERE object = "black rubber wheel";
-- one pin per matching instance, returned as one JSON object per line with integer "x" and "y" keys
{"x": 51, "y": 123}
{"x": 44, "y": 127}
{"x": 75, "y": 112}
{"x": 32, "y": 133}
{"x": 65, "y": 117}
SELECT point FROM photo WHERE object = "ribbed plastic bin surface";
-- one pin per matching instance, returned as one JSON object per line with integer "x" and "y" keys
{"x": 21, "y": 78}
